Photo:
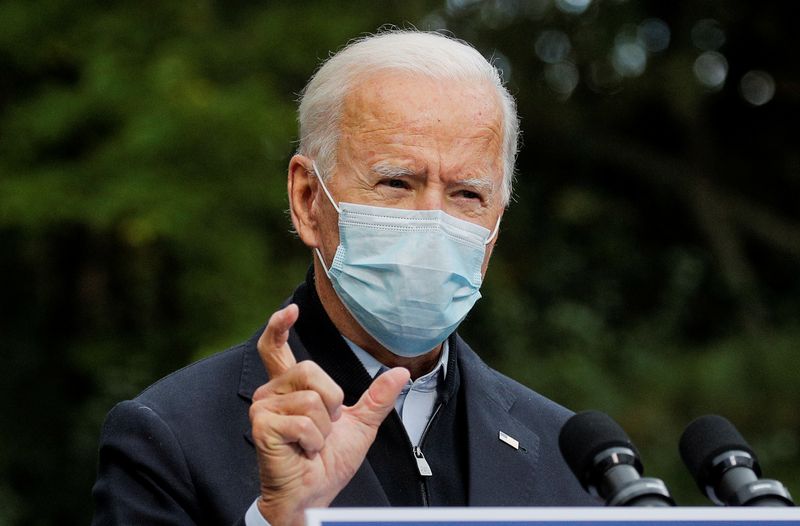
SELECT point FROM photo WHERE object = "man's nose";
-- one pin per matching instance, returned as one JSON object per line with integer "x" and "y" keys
{"x": 430, "y": 199}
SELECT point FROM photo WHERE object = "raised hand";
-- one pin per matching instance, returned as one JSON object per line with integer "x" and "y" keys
{"x": 308, "y": 444}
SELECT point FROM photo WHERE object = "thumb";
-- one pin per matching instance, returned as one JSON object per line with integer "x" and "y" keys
{"x": 378, "y": 400}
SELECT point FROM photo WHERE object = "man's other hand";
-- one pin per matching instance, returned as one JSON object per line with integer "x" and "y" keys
{"x": 309, "y": 445}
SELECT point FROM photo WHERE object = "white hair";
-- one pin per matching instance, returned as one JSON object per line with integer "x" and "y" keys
{"x": 427, "y": 53}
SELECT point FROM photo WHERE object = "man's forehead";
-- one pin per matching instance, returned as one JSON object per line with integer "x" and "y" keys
{"x": 409, "y": 98}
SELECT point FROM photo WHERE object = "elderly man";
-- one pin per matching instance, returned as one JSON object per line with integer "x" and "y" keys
{"x": 359, "y": 392}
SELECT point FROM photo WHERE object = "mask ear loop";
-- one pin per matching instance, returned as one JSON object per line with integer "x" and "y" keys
{"x": 322, "y": 262}
{"x": 324, "y": 188}
{"x": 494, "y": 232}
{"x": 316, "y": 173}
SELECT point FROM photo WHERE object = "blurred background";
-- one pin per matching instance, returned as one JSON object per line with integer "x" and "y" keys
{"x": 648, "y": 268}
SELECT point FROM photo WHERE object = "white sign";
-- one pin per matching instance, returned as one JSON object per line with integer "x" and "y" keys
{"x": 599, "y": 516}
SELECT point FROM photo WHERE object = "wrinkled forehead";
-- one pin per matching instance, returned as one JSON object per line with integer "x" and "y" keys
{"x": 412, "y": 103}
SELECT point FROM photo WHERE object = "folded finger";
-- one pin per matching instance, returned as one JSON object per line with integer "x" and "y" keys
{"x": 272, "y": 431}
{"x": 308, "y": 376}
{"x": 301, "y": 403}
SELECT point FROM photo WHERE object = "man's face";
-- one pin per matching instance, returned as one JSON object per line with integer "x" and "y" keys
{"x": 412, "y": 142}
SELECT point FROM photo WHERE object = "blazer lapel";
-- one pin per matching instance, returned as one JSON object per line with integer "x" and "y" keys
{"x": 499, "y": 473}
{"x": 254, "y": 375}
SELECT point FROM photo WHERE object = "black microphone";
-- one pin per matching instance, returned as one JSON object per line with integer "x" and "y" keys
{"x": 607, "y": 463}
{"x": 725, "y": 467}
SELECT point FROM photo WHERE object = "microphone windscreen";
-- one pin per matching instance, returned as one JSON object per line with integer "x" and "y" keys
{"x": 585, "y": 435}
{"x": 706, "y": 438}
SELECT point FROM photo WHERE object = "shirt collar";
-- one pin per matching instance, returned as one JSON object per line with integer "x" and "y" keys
{"x": 373, "y": 366}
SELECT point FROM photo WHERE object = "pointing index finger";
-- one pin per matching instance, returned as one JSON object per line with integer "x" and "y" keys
{"x": 272, "y": 345}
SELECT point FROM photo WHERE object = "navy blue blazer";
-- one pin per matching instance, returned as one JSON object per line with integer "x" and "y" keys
{"x": 181, "y": 452}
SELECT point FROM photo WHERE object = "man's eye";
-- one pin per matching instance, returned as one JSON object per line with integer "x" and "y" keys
{"x": 469, "y": 194}
{"x": 395, "y": 183}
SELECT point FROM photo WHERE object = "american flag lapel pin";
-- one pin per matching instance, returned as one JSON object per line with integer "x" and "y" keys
{"x": 511, "y": 441}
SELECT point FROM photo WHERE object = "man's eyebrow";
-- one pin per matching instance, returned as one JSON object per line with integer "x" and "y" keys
{"x": 391, "y": 171}
{"x": 477, "y": 183}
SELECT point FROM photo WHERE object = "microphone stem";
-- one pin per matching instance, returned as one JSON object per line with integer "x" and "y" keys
{"x": 617, "y": 477}
{"x": 733, "y": 479}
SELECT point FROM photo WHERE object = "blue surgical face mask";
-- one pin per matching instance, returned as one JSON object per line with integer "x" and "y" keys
{"x": 409, "y": 277}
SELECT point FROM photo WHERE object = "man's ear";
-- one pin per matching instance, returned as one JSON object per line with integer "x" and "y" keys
{"x": 301, "y": 188}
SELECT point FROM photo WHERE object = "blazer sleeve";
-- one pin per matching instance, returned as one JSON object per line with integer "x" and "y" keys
{"x": 142, "y": 475}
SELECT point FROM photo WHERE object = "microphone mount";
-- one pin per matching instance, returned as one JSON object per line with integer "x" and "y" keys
{"x": 607, "y": 464}
{"x": 737, "y": 472}
{"x": 725, "y": 467}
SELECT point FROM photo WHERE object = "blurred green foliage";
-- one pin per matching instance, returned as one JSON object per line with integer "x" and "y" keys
{"x": 649, "y": 267}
